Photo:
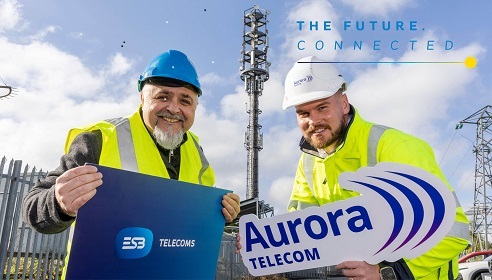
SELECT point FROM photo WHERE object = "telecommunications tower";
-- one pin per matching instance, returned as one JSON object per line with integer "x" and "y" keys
{"x": 482, "y": 204}
{"x": 254, "y": 72}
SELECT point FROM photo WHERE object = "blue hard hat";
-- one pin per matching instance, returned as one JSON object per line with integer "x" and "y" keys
{"x": 173, "y": 65}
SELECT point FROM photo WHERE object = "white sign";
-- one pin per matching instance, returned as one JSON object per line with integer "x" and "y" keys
{"x": 403, "y": 211}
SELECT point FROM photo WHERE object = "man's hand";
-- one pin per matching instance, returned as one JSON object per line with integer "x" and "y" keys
{"x": 238, "y": 243}
{"x": 359, "y": 270}
{"x": 75, "y": 187}
{"x": 231, "y": 203}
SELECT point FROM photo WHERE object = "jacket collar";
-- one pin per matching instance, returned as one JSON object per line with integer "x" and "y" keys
{"x": 309, "y": 149}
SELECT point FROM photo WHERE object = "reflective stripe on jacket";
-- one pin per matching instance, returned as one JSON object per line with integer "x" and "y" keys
{"x": 366, "y": 144}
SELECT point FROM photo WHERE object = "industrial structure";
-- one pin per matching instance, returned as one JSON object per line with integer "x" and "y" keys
{"x": 482, "y": 203}
{"x": 7, "y": 91}
{"x": 254, "y": 72}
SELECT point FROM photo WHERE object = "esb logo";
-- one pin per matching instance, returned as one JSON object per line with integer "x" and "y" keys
{"x": 133, "y": 243}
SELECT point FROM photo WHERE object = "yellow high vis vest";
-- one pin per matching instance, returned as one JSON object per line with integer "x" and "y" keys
{"x": 128, "y": 145}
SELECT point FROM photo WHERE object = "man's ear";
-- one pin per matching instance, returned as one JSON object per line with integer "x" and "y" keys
{"x": 345, "y": 103}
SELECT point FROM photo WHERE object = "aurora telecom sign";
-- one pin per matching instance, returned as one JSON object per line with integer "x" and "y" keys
{"x": 403, "y": 211}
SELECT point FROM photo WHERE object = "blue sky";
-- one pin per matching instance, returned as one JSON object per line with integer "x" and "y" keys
{"x": 69, "y": 67}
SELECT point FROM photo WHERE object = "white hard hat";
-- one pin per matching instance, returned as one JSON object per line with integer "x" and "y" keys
{"x": 311, "y": 79}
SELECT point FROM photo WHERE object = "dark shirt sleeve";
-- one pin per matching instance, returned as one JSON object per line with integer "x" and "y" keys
{"x": 401, "y": 269}
{"x": 40, "y": 209}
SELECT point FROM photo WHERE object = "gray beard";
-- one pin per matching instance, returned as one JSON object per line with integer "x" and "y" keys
{"x": 167, "y": 139}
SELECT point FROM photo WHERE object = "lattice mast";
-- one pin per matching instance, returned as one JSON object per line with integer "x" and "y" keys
{"x": 482, "y": 203}
{"x": 254, "y": 72}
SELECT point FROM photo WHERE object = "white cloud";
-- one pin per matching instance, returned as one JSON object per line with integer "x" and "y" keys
{"x": 56, "y": 92}
{"x": 41, "y": 67}
{"x": 43, "y": 33}
{"x": 273, "y": 94}
{"x": 222, "y": 141}
{"x": 10, "y": 14}
{"x": 119, "y": 65}
{"x": 281, "y": 145}
{"x": 278, "y": 163}
{"x": 279, "y": 194}
{"x": 235, "y": 105}
{"x": 377, "y": 7}
{"x": 38, "y": 138}
{"x": 212, "y": 79}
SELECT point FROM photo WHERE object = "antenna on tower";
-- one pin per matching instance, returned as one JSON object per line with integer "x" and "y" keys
{"x": 482, "y": 199}
{"x": 254, "y": 72}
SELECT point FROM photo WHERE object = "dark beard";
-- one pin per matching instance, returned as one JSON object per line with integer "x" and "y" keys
{"x": 337, "y": 138}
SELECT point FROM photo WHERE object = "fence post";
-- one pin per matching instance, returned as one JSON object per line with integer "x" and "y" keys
{"x": 9, "y": 211}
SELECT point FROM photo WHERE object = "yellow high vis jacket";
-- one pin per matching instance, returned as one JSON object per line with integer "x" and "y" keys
{"x": 128, "y": 145}
{"x": 366, "y": 144}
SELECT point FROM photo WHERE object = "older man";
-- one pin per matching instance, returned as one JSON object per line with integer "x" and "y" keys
{"x": 154, "y": 140}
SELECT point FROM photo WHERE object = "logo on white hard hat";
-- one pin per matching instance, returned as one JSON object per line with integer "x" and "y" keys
{"x": 306, "y": 79}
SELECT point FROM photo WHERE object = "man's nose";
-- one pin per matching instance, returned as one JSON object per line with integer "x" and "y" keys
{"x": 172, "y": 106}
{"x": 314, "y": 119}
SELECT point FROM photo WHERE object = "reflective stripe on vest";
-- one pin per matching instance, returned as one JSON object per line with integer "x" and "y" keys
{"x": 372, "y": 144}
{"x": 308, "y": 164}
{"x": 203, "y": 159}
{"x": 128, "y": 157}
{"x": 458, "y": 230}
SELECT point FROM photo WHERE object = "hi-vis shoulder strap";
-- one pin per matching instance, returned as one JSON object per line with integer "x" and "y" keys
{"x": 459, "y": 229}
{"x": 372, "y": 144}
{"x": 126, "y": 148}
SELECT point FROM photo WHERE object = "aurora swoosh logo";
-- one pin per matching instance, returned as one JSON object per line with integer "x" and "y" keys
{"x": 422, "y": 208}
{"x": 418, "y": 210}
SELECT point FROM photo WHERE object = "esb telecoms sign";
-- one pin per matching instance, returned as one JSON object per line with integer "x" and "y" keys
{"x": 403, "y": 211}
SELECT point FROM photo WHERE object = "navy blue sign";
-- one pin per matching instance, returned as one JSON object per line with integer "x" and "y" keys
{"x": 145, "y": 227}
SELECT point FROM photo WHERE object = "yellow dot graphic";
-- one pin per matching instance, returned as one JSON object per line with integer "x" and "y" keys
{"x": 470, "y": 62}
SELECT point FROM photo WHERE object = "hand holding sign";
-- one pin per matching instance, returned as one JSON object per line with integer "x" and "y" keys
{"x": 403, "y": 211}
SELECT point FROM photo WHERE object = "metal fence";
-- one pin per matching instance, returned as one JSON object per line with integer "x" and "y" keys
{"x": 229, "y": 264}
{"x": 25, "y": 253}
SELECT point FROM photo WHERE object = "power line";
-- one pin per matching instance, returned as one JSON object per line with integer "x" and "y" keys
{"x": 455, "y": 131}
{"x": 462, "y": 184}
{"x": 460, "y": 162}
